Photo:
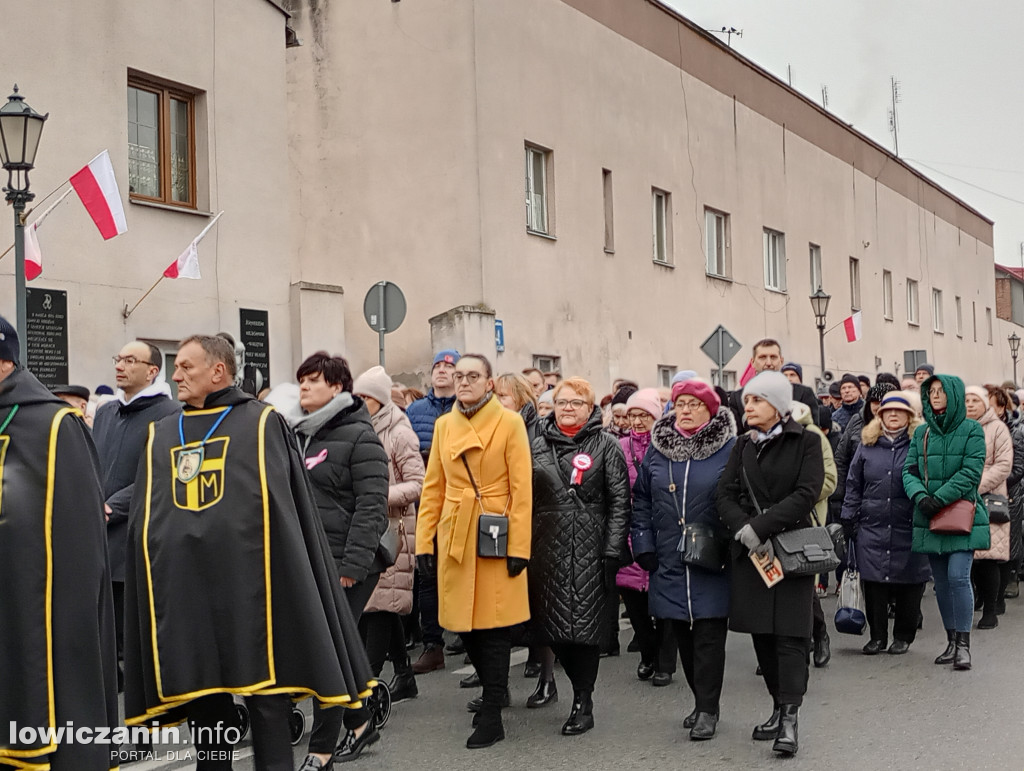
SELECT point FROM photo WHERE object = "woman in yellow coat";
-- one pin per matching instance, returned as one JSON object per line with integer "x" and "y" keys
{"x": 479, "y": 462}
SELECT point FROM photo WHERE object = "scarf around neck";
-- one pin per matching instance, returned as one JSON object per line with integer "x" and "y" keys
{"x": 472, "y": 409}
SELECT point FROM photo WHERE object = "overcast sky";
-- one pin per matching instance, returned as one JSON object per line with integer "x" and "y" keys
{"x": 960, "y": 66}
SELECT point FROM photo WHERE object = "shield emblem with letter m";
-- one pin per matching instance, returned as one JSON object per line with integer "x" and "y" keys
{"x": 204, "y": 487}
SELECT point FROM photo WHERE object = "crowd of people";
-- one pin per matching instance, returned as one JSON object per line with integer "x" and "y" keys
{"x": 289, "y": 543}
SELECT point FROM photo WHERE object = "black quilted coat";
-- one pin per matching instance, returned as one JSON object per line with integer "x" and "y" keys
{"x": 579, "y": 531}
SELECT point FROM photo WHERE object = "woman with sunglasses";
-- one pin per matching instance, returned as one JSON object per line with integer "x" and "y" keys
{"x": 581, "y": 512}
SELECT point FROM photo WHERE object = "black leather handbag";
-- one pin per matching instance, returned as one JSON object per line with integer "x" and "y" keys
{"x": 806, "y": 551}
{"x": 998, "y": 508}
{"x": 701, "y": 544}
{"x": 492, "y": 529}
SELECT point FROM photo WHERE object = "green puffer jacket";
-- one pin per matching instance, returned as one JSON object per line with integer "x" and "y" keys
{"x": 956, "y": 458}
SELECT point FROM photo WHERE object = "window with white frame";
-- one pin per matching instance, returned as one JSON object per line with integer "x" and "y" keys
{"x": 547, "y": 363}
{"x": 974, "y": 320}
{"x": 609, "y": 211}
{"x": 887, "y": 294}
{"x": 538, "y": 163}
{"x": 665, "y": 374}
{"x": 661, "y": 205}
{"x": 716, "y": 242}
{"x": 727, "y": 383}
{"x": 816, "y": 280}
{"x": 854, "y": 284}
{"x": 937, "y": 310}
{"x": 774, "y": 260}
{"x": 912, "y": 303}
{"x": 988, "y": 324}
{"x": 959, "y": 316}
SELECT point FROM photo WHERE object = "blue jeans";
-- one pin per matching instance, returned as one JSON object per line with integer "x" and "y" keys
{"x": 952, "y": 573}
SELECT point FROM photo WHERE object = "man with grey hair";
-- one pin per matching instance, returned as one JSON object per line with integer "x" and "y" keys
{"x": 230, "y": 586}
{"x": 119, "y": 431}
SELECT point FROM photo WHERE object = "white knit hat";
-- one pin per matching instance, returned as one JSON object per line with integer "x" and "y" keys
{"x": 375, "y": 383}
{"x": 774, "y": 388}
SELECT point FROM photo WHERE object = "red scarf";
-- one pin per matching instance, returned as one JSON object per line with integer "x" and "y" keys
{"x": 570, "y": 431}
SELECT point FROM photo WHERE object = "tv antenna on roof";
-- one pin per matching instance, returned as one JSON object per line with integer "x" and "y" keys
{"x": 728, "y": 32}
{"x": 894, "y": 122}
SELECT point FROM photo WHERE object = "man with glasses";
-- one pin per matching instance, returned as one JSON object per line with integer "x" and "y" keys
{"x": 767, "y": 355}
{"x": 120, "y": 431}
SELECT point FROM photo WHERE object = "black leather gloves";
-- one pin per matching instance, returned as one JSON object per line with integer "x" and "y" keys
{"x": 648, "y": 561}
{"x": 427, "y": 565}
{"x": 929, "y": 506}
{"x": 516, "y": 565}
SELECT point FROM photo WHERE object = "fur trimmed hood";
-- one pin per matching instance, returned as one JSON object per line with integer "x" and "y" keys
{"x": 667, "y": 440}
{"x": 872, "y": 432}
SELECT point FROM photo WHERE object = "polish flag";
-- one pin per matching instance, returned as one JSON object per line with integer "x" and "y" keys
{"x": 97, "y": 187}
{"x": 853, "y": 328}
{"x": 187, "y": 264}
{"x": 33, "y": 256}
{"x": 748, "y": 374}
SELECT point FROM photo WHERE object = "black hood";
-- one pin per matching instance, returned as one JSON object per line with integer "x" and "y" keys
{"x": 224, "y": 398}
{"x": 22, "y": 387}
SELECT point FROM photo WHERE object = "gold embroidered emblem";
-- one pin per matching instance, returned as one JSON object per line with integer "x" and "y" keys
{"x": 198, "y": 474}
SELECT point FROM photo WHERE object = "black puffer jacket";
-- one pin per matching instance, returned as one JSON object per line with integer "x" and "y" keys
{"x": 579, "y": 531}
{"x": 1015, "y": 484}
{"x": 349, "y": 471}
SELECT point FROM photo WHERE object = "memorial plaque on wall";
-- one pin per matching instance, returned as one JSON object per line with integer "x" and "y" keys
{"x": 47, "y": 338}
{"x": 255, "y": 336}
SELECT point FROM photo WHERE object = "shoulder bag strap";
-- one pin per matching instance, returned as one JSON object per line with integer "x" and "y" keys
{"x": 750, "y": 490}
{"x": 472, "y": 481}
{"x": 924, "y": 451}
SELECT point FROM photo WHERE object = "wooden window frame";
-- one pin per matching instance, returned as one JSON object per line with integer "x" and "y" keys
{"x": 165, "y": 92}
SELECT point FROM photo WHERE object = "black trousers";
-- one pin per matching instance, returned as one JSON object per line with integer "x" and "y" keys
{"x": 580, "y": 663}
{"x": 384, "y": 636}
{"x": 820, "y": 630}
{"x": 208, "y": 717}
{"x": 702, "y": 652}
{"x": 907, "y": 601}
{"x": 489, "y": 651}
{"x": 985, "y": 574}
{"x": 328, "y": 721}
{"x": 610, "y": 623}
{"x": 642, "y": 623}
{"x": 783, "y": 662}
{"x": 118, "y": 588}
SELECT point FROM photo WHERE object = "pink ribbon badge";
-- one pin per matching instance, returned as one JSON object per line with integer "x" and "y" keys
{"x": 316, "y": 460}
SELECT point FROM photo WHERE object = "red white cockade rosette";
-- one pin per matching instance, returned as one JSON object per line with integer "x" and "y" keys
{"x": 580, "y": 463}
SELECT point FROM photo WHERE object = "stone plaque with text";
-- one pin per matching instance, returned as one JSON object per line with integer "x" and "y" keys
{"x": 47, "y": 338}
{"x": 254, "y": 334}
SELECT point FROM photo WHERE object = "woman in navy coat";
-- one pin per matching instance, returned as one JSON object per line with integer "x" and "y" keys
{"x": 677, "y": 484}
{"x": 879, "y": 519}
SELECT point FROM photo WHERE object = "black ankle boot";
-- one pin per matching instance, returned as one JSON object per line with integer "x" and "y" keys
{"x": 403, "y": 685}
{"x": 786, "y": 743}
{"x": 488, "y": 729}
{"x": 769, "y": 729}
{"x": 962, "y": 656}
{"x": 581, "y": 718}
{"x": 545, "y": 694}
{"x": 946, "y": 657}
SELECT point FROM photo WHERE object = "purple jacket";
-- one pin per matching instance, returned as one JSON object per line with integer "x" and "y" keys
{"x": 634, "y": 446}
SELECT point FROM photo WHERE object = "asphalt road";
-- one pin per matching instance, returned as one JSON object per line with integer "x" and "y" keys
{"x": 861, "y": 712}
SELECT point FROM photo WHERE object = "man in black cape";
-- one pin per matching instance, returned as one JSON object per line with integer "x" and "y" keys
{"x": 230, "y": 585}
{"x": 57, "y": 656}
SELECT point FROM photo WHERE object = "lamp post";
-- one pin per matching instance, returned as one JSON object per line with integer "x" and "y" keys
{"x": 819, "y": 304}
{"x": 20, "y": 130}
{"x": 1014, "y": 341}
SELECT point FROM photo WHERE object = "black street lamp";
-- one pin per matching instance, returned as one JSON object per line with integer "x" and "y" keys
{"x": 20, "y": 130}
{"x": 1014, "y": 341}
{"x": 819, "y": 303}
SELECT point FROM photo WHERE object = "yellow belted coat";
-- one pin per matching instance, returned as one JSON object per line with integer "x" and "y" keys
{"x": 477, "y": 592}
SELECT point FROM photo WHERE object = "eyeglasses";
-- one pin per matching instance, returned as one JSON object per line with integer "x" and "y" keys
{"x": 131, "y": 361}
{"x": 690, "y": 405}
{"x": 576, "y": 404}
{"x": 469, "y": 377}
{"x": 938, "y": 391}
{"x": 644, "y": 416}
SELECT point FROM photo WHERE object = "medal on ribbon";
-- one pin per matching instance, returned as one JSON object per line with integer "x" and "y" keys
{"x": 580, "y": 463}
{"x": 189, "y": 463}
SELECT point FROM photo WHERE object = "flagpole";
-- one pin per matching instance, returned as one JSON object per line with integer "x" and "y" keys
{"x": 126, "y": 313}
{"x": 43, "y": 215}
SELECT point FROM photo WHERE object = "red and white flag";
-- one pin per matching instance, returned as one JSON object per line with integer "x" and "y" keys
{"x": 852, "y": 327}
{"x": 748, "y": 374}
{"x": 97, "y": 187}
{"x": 33, "y": 256}
{"x": 187, "y": 264}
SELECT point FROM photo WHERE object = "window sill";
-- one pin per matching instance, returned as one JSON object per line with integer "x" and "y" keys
{"x": 913, "y": 323}
{"x": 887, "y": 318}
{"x": 776, "y": 291}
{"x": 609, "y": 251}
{"x": 938, "y": 332}
{"x": 168, "y": 207}
{"x": 537, "y": 233}
{"x": 716, "y": 277}
{"x": 663, "y": 264}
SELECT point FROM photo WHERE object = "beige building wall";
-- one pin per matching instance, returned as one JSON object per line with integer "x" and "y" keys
{"x": 72, "y": 60}
{"x": 409, "y": 127}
